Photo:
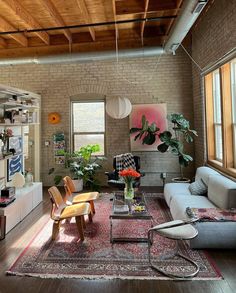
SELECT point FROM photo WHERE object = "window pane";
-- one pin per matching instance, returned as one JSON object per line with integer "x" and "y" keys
{"x": 234, "y": 143}
{"x": 233, "y": 91}
{"x": 85, "y": 139}
{"x": 88, "y": 117}
{"x": 218, "y": 142}
{"x": 216, "y": 96}
{"x": 233, "y": 88}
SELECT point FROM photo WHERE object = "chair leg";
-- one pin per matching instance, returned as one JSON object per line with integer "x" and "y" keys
{"x": 55, "y": 229}
{"x": 174, "y": 276}
{"x": 90, "y": 216}
{"x": 79, "y": 223}
{"x": 92, "y": 206}
{"x": 83, "y": 222}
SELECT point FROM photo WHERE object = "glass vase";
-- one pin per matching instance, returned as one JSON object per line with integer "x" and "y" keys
{"x": 129, "y": 191}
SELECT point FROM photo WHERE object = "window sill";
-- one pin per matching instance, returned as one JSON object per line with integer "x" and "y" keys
{"x": 230, "y": 172}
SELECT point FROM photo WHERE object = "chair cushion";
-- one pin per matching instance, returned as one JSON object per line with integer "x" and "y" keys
{"x": 178, "y": 207}
{"x": 222, "y": 192}
{"x": 185, "y": 231}
{"x": 198, "y": 187}
{"x": 172, "y": 190}
{"x": 204, "y": 173}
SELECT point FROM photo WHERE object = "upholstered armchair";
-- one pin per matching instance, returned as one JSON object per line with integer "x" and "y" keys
{"x": 113, "y": 179}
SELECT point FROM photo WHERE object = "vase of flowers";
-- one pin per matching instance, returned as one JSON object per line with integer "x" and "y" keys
{"x": 129, "y": 176}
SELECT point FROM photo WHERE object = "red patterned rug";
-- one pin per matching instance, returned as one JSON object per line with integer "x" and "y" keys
{"x": 96, "y": 257}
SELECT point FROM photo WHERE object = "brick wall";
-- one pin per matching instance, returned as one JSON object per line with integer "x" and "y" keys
{"x": 150, "y": 80}
{"x": 213, "y": 36}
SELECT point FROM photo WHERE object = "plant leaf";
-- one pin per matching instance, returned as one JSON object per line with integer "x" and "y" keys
{"x": 134, "y": 129}
{"x": 51, "y": 170}
{"x": 162, "y": 147}
{"x": 57, "y": 179}
{"x": 149, "y": 139}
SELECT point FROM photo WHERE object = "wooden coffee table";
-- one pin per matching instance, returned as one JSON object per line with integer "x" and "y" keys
{"x": 124, "y": 210}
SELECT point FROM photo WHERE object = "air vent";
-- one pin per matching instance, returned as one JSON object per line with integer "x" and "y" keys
{"x": 200, "y": 5}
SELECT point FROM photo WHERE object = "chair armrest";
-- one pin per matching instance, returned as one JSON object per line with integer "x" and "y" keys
{"x": 111, "y": 175}
{"x": 142, "y": 174}
{"x": 173, "y": 224}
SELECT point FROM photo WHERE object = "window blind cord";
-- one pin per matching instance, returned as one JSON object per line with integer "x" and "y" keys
{"x": 126, "y": 79}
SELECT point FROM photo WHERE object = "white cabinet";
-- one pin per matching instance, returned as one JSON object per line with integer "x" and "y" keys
{"x": 27, "y": 198}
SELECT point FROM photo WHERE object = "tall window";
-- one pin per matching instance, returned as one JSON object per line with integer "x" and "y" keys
{"x": 233, "y": 90}
{"x": 220, "y": 87}
{"x": 217, "y": 115}
{"x": 88, "y": 124}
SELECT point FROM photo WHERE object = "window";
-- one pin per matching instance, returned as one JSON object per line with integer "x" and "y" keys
{"x": 88, "y": 124}
{"x": 220, "y": 88}
{"x": 233, "y": 91}
{"x": 217, "y": 115}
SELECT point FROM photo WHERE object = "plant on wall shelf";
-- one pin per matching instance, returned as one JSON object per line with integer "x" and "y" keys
{"x": 170, "y": 141}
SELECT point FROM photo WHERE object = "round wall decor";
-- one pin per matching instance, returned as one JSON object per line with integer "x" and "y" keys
{"x": 54, "y": 118}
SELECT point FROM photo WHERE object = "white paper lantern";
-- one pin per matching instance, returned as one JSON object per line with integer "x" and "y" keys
{"x": 118, "y": 107}
{"x": 18, "y": 180}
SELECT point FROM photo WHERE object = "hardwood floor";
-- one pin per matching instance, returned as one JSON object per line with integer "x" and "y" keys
{"x": 17, "y": 239}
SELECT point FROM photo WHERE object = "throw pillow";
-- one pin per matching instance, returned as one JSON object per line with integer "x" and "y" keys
{"x": 198, "y": 187}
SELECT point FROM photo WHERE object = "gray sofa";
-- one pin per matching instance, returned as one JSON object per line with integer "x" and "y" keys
{"x": 221, "y": 193}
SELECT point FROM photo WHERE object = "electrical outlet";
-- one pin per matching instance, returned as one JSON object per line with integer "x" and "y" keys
{"x": 163, "y": 175}
{"x": 47, "y": 143}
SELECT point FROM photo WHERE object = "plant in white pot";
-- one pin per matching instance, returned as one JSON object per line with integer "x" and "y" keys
{"x": 174, "y": 142}
{"x": 82, "y": 166}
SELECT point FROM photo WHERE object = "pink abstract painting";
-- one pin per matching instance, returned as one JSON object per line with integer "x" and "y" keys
{"x": 154, "y": 113}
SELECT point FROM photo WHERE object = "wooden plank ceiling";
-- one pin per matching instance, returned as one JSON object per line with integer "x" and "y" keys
{"x": 26, "y": 15}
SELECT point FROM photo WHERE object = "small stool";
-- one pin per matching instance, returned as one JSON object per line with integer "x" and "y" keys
{"x": 176, "y": 230}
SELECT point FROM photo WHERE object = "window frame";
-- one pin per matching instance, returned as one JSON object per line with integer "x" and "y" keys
{"x": 73, "y": 133}
{"x": 228, "y": 148}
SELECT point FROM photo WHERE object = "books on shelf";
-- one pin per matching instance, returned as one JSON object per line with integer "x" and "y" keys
{"x": 121, "y": 209}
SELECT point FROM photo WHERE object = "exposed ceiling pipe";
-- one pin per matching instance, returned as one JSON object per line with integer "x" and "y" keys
{"x": 185, "y": 20}
{"x": 85, "y": 57}
{"x": 188, "y": 15}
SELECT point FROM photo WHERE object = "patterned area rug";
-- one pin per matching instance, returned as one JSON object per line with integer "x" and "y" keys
{"x": 96, "y": 257}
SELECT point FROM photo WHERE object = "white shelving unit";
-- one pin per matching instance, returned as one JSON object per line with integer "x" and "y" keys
{"x": 20, "y": 111}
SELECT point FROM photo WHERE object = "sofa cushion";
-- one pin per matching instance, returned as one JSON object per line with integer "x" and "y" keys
{"x": 204, "y": 173}
{"x": 178, "y": 207}
{"x": 198, "y": 187}
{"x": 222, "y": 192}
{"x": 175, "y": 189}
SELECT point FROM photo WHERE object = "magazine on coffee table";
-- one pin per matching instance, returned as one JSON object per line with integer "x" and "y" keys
{"x": 121, "y": 209}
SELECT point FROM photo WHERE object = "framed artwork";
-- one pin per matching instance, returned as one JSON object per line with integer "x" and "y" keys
{"x": 59, "y": 146}
{"x": 14, "y": 165}
{"x": 15, "y": 142}
{"x": 154, "y": 113}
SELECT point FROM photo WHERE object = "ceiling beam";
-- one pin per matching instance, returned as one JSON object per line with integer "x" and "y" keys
{"x": 25, "y": 17}
{"x": 57, "y": 17}
{"x": 144, "y": 22}
{"x": 3, "y": 43}
{"x": 87, "y": 18}
{"x": 19, "y": 38}
{"x": 137, "y": 6}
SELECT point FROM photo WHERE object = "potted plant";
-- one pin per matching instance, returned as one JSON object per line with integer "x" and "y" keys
{"x": 174, "y": 142}
{"x": 82, "y": 166}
